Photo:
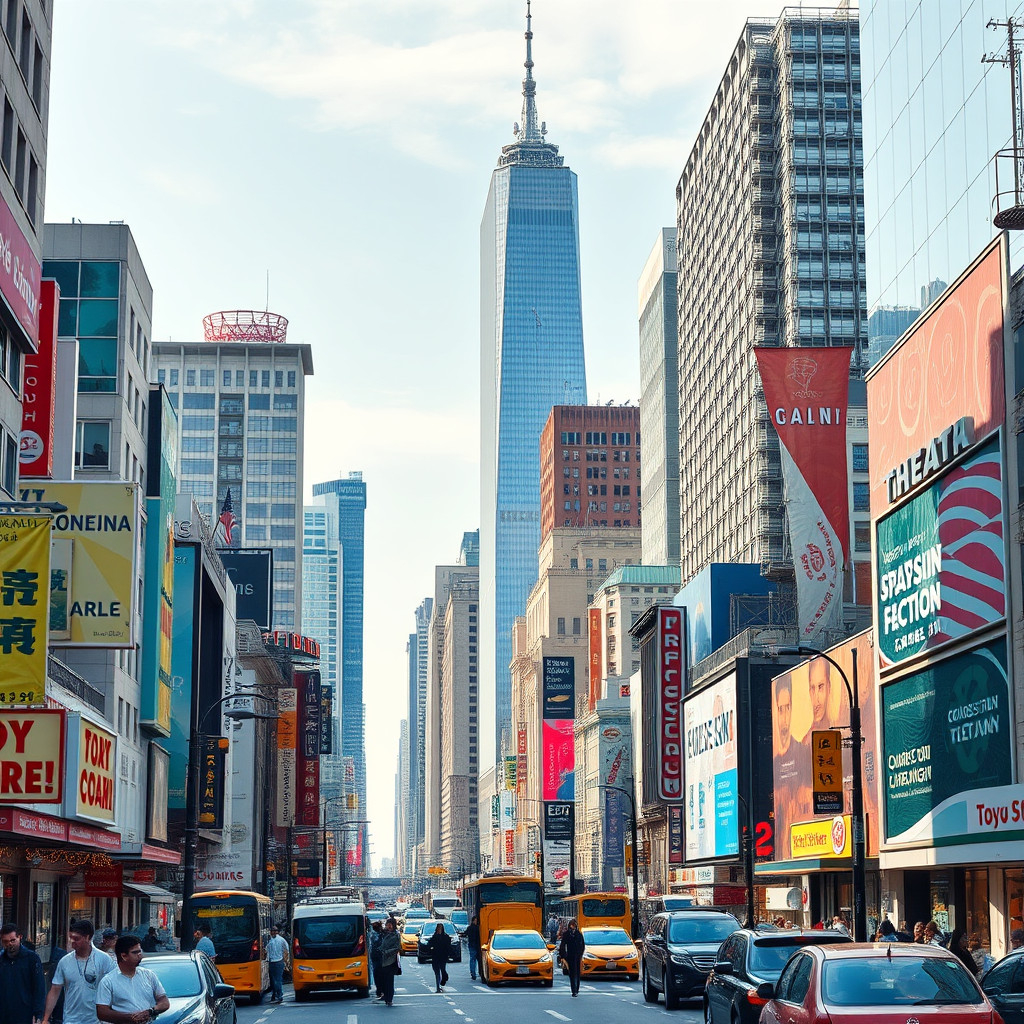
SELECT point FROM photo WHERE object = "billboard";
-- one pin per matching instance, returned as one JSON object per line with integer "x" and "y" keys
{"x": 102, "y": 522}
{"x": 812, "y": 697}
{"x": 614, "y": 750}
{"x": 251, "y": 571}
{"x": 675, "y": 834}
{"x": 38, "y": 404}
{"x": 24, "y": 607}
{"x": 20, "y": 274}
{"x": 671, "y": 682}
{"x": 157, "y": 795}
{"x": 559, "y": 675}
{"x": 712, "y": 820}
{"x": 212, "y": 760}
{"x": 32, "y": 756}
{"x": 947, "y": 739}
{"x": 940, "y": 570}
{"x": 806, "y": 390}
{"x": 91, "y": 761}
{"x": 559, "y": 824}
{"x": 558, "y": 761}
{"x": 183, "y": 616}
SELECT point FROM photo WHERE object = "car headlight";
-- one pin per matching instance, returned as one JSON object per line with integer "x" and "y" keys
{"x": 591, "y": 956}
{"x": 498, "y": 959}
{"x": 546, "y": 958}
{"x": 681, "y": 958}
{"x": 630, "y": 956}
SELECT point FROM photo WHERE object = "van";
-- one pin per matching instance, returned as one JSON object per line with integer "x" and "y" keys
{"x": 329, "y": 947}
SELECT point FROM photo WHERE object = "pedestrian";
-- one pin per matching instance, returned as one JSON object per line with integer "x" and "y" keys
{"x": 959, "y": 947}
{"x": 390, "y": 964}
{"x": 933, "y": 934}
{"x": 886, "y": 931}
{"x": 571, "y": 951}
{"x": 440, "y": 946}
{"x": 919, "y": 933}
{"x": 107, "y": 938}
{"x": 839, "y": 925}
{"x": 132, "y": 994}
{"x": 277, "y": 955}
{"x": 473, "y": 945}
{"x": 1017, "y": 938}
{"x": 150, "y": 941}
{"x": 203, "y": 941}
{"x": 553, "y": 927}
{"x": 22, "y": 985}
{"x": 77, "y": 978}
{"x": 376, "y": 934}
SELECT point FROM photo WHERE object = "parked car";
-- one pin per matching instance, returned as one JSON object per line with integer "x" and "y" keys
{"x": 1004, "y": 986}
{"x": 680, "y": 948}
{"x": 880, "y": 982}
{"x": 460, "y": 918}
{"x": 428, "y": 929}
{"x": 517, "y": 954}
{"x": 194, "y": 987}
{"x": 748, "y": 959}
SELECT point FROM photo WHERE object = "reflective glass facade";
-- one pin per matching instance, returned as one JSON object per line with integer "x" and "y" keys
{"x": 934, "y": 118}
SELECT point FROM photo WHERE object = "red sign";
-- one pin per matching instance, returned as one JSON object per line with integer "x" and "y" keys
{"x": 20, "y": 273}
{"x": 104, "y": 881}
{"x": 594, "y": 615}
{"x": 41, "y": 826}
{"x": 307, "y": 762}
{"x": 38, "y": 406}
{"x": 32, "y": 756}
{"x": 671, "y": 676}
{"x": 160, "y": 854}
{"x": 86, "y": 835}
{"x": 522, "y": 766}
{"x": 510, "y": 847}
{"x": 144, "y": 876}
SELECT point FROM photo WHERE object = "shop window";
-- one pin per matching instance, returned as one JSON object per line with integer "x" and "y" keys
{"x": 979, "y": 939}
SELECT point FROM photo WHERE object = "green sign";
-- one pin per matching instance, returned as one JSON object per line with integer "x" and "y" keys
{"x": 940, "y": 570}
{"x": 946, "y": 731}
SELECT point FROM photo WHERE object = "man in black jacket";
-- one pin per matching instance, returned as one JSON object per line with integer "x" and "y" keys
{"x": 571, "y": 951}
{"x": 22, "y": 985}
{"x": 473, "y": 945}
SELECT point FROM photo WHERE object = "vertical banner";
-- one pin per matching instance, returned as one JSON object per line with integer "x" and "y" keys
{"x": 35, "y": 458}
{"x": 559, "y": 760}
{"x": 559, "y": 819}
{"x": 594, "y": 661}
{"x": 181, "y": 670}
{"x": 827, "y": 771}
{"x": 511, "y": 772}
{"x": 675, "y": 834}
{"x": 326, "y": 719}
{"x": 521, "y": 755}
{"x": 559, "y": 682}
{"x": 24, "y": 607}
{"x": 211, "y": 782}
{"x": 287, "y": 729}
{"x": 307, "y": 685}
{"x": 671, "y": 683}
{"x": 806, "y": 391}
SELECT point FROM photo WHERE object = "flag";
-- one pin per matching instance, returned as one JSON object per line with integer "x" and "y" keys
{"x": 224, "y": 535}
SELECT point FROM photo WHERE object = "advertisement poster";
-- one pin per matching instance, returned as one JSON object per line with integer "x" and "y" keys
{"x": 812, "y": 697}
{"x": 559, "y": 821}
{"x": 712, "y": 796}
{"x": 91, "y": 760}
{"x": 181, "y": 669}
{"x": 941, "y": 570}
{"x": 806, "y": 390}
{"x": 947, "y": 734}
{"x": 675, "y": 835}
{"x": 559, "y": 760}
{"x": 32, "y": 756}
{"x": 594, "y": 656}
{"x": 24, "y": 609}
{"x": 671, "y": 683}
{"x": 251, "y": 571}
{"x": 38, "y": 404}
{"x": 307, "y": 763}
{"x": 559, "y": 675}
{"x": 211, "y": 782}
{"x": 287, "y": 737}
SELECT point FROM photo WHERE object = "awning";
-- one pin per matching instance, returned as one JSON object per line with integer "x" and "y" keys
{"x": 153, "y": 893}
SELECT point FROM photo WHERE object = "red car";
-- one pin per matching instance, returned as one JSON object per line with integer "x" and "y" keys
{"x": 884, "y": 983}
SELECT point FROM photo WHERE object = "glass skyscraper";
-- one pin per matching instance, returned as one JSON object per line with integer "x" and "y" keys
{"x": 531, "y": 340}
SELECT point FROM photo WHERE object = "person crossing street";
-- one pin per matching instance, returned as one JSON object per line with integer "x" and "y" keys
{"x": 277, "y": 957}
{"x": 571, "y": 951}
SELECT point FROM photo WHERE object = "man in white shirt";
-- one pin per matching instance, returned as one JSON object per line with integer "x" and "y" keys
{"x": 277, "y": 955}
{"x": 131, "y": 994}
{"x": 78, "y": 974}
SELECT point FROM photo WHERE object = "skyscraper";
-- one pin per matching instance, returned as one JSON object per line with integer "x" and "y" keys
{"x": 531, "y": 344}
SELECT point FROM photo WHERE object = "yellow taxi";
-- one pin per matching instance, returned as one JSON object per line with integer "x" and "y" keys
{"x": 410, "y": 936}
{"x": 517, "y": 954}
{"x": 609, "y": 953}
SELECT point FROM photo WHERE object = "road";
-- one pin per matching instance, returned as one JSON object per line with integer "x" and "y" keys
{"x": 470, "y": 1002}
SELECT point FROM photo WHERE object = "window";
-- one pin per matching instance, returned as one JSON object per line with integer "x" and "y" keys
{"x": 291, "y": 378}
{"x": 560, "y": 626}
{"x": 861, "y": 497}
{"x": 190, "y": 379}
{"x": 239, "y": 379}
{"x": 195, "y": 400}
{"x": 286, "y": 401}
{"x": 161, "y": 376}
{"x": 174, "y": 378}
{"x": 203, "y": 445}
{"x": 226, "y": 378}
{"x": 255, "y": 511}
{"x": 278, "y": 378}
{"x": 206, "y": 378}
{"x": 279, "y": 510}
{"x": 253, "y": 379}
{"x": 265, "y": 378}
{"x": 860, "y": 458}
{"x": 861, "y": 536}
{"x": 7, "y": 145}
{"x": 10, "y": 463}
{"x": 259, "y": 401}
{"x": 576, "y": 626}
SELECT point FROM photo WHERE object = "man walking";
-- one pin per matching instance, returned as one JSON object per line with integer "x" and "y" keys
{"x": 107, "y": 938}
{"x": 553, "y": 927}
{"x": 390, "y": 951}
{"x": 203, "y": 941}
{"x": 131, "y": 994}
{"x": 571, "y": 951}
{"x": 277, "y": 955}
{"x": 473, "y": 945}
{"x": 22, "y": 985}
{"x": 78, "y": 975}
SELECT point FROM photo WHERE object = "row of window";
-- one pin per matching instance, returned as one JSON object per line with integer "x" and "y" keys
{"x": 207, "y": 378}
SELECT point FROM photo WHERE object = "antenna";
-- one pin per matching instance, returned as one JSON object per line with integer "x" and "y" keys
{"x": 267, "y": 310}
{"x": 1010, "y": 217}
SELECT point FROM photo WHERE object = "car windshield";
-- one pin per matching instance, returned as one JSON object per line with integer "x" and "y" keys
{"x": 769, "y": 956}
{"x": 692, "y": 928}
{"x": 431, "y": 926}
{"x": 517, "y": 940}
{"x": 606, "y": 937}
{"x": 459, "y": 917}
{"x": 178, "y": 975}
{"x": 901, "y": 981}
{"x": 411, "y": 929}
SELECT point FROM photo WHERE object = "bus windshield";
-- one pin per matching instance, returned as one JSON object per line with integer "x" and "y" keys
{"x": 326, "y": 936}
{"x": 234, "y": 923}
{"x": 524, "y": 890}
{"x": 603, "y": 907}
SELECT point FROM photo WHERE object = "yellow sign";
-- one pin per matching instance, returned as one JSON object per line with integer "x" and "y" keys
{"x": 93, "y": 781}
{"x": 102, "y": 522}
{"x": 24, "y": 607}
{"x": 827, "y": 771}
{"x": 220, "y": 912}
{"x": 827, "y": 839}
{"x": 32, "y": 756}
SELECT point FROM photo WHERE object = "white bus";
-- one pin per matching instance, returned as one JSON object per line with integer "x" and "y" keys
{"x": 441, "y": 902}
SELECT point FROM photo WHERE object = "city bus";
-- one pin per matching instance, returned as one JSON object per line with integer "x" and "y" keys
{"x": 329, "y": 947}
{"x": 596, "y": 908}
{"x": 240, "y": 926}
{"x": 504, "y": 901}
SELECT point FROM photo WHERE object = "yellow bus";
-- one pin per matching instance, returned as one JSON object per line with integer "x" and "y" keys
{"x": 240, "y": 925}
{"x": 596, "y": 908}
{"x": 486, "y": 897}
{"x": 329, "y": 947}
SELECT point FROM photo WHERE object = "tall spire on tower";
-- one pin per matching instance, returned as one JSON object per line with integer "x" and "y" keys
{"x": 530, "y": 131}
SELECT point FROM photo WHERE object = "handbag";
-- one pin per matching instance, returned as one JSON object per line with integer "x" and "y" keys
{"x": 398, "y": 965}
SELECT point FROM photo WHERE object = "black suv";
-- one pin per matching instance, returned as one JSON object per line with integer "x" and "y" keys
{"x": 680, "y": 948}
{"x": 746, "y": 960}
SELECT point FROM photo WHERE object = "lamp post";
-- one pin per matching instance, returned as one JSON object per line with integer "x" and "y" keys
{"x": 860, "y": 916}
{"x": 636, "y": 853}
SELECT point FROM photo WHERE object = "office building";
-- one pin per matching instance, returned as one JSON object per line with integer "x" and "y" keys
{"x": 403, "y": 812}
{"x": 25, "y": 85}
{"x": 885, "y": 325}
{"x": 531, "y": 358}
{"x": 240, "y": 398}
{"x": 770, "y": 253}
{"x": 659, "y": 401}
{"x": 419, "y": 668}
{"x": 590, "y": 467}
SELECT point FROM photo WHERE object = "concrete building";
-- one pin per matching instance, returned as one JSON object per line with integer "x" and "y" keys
{"x": 531, "y": 358}
{"x": 403, "y": 811}
{"x": 25, "y": 84}
{"x": 590, "y": 468}
{"x": 240, "y": 398}
{"x": 659, "y": 401}
{"x": 419, "y": 669}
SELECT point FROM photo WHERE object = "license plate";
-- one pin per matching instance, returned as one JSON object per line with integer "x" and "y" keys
{"x": 331, "y": 977}
{"x": 611, "y": 967}
{"x": 523, "y": 970}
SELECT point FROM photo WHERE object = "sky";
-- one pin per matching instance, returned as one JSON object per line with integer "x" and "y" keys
{"x": 329, "y": 160}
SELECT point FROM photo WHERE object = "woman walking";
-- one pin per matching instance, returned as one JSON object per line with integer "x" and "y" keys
{"x": 376, "y": 935}
{"x": 440, "y": 947}
{"x": 571, "y": 951}
{"x": 390, "y": 951}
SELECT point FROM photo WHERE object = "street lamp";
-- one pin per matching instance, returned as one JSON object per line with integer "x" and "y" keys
{"x": 860, "y": 916}
{"x": 636, "y": 854}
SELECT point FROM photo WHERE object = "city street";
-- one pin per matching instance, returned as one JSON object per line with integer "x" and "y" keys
{"x": 465, "y": 1002}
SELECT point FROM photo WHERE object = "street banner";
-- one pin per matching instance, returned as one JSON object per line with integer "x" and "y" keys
{"x": 308, "y": 761}
{"x": 559, "y": 681}
{"x": 559, "y": 760}
{"x": 24, "y": 608}
{"x": 521, "y": 759}
{"x": 20, "y": 273}
{"x": 806, "y": 390}
{"x": 595, "y": 645}
{"x": 326, "y": 719}
{"x": 38, "y": 403}
{"x": 670, "y": 685}
{"x": 827, "y": 771}
{"x": 511, "y": 771}
{"x": 213, "y": 755}
{"x": 287, "y": 730}
{"x": 32, "y": 756}
{"x": 616, "y": 770}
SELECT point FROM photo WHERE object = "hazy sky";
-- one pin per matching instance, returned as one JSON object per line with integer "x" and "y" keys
{"x": 345, "y": 147}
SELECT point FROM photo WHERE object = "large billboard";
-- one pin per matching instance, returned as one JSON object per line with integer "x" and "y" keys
{"x": 559, "y": 824}
{"x": 558, "y": 745}
{"x": 947, "y": 739}
{"x": 32, "y": 756}
{"x": 940, "y": 569}
{"x": 671, "y": 681}
{"x": 811, "y": 697}
{"x": 712, "y": 820}
{"x": 251, "y": 571}
{"x": 20, "y": 274}
{"x": 182, "y": 671}
{"x": 806, "y": 390}
{"x": 24, "y": 607}
{"x": 559, "y": 680}
{"x": 614, "y": 749}
{"x": 102, "y": 522}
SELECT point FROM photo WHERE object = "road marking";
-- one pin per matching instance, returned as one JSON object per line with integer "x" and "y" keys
{"x": 461, "y": 1013}
{"x": 557, "y": 1015}
{"x": 352, "y": 1019}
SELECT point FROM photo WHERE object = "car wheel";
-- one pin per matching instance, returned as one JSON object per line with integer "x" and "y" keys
{"x": 362, "y": 993}
{"x": 650, "y": 993}
{"x": 671, "y": 996}
{"x": 708, "y": 1019}
{"x": 256, "y": 998}
{"x": 301, "y": 995}
{"x": 549, "y": 982}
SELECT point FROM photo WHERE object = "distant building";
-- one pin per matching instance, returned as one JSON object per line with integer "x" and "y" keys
{"x": 419, "y": 667}
{"x": 885, "y": 325}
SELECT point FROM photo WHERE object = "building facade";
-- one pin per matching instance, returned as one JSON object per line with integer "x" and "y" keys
{"x": 531, "y": 358}
{"x": 419, "y": 669}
